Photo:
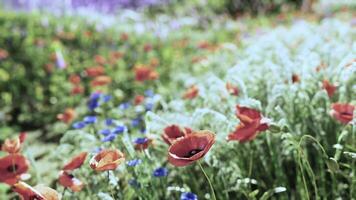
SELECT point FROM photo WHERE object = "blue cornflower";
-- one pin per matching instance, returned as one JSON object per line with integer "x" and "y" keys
{"x": 124, "y": 106}
{"x": 90, "y": 119}
{"x": 143, "y": 130}
{"x": 109, "y": 121}
{"x": 119, "y": 129}
{"x": 188, "y": 196}
{"x": 134, "y": 162}
{"x": 141, "y": 140}
{"x": 107, "y": 98}
{"x": 149, "y": 93}
{"x": 136, "y": 122}
{"x": 160, "y": 172}
{"x": 109, "y": 138}
{"x": 149, "y": 106}
{"x": 105, "y": 132}
{"x": 134, "y": 183}
{"x": 78, "y": 125}
{"x": 93, "y": 101}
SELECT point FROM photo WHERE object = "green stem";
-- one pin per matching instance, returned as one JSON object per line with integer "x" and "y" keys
{"x": 207, "y": 178}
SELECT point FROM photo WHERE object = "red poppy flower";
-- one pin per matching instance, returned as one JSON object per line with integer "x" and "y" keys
{"x": 147, "y": 47}
{"x": 95, "y": 71}
{"x": 22, "y": 137}
{"x": 74, "y": 79}
{"x": 139, "y": 99}
{"x": 100, "y": 59}
{"x": 76, "y": 162}
{"x": 77, "y": 90}
{"x": 124, "y": 37}
{"x": 250, "y": 125}
{"x": 108, "y": 159}
{"x": 67, "y": 116}
{"x": 100, "y": 81}
{"x": 330, "y": 89}
{"x": 191, "y": 92}
{"x": 343, "y": 112}
{"x": 69, "y": 181}
{"x": 116, "y": 55}
{"x": 27, "y": 192}
{"x": 11, "y": 167}
{"x": 173, "y": 132}
{"x": 11, "y": 145}
{"x": 3, "y": 54}
{"x": 38, "y": 192}
{"x": 186, "y": 150}
{"x": 233, "y": 90}
{"x": 143, "y": 73}
{"x": 295, "y": 78}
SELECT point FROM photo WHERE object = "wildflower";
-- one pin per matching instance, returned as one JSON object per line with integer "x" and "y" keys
{"x": 295, "y": 78}
{"x": 75, "y": 162}
{"x": 11, "y": 168}
{"x": 39, "y": 192}
{"x": 330, "y": 89}
{"x": 143, "y": 73}
{"x": 119, "y": 129}
{"x": 124, "y": 36}
{"x": 79, "y": 125}
{"x": 94, "y": 101}
{"x": 136, "y": 122}
{"x": 342, "y": 112}
{"x": 191, "y": 92}
{"x": 147, "y": 47}
{"x": 109, "y": 138}
{"x": 124, "y": 106}
{"x": 233, "y": 90}
{"x": 251, "y": 124}
{"x": 107, "y": 98}
{"x": 134, "y": 162}
{"x": 90, "y": 119}
{"x": 3, "y": 54}
{"x": 69, "y": 181}
{"x": 149, "y": 106}
{"x": 99, "y": 59}
{"x": 95, "y": 71}
{"x": 173, "y": 132}
{"x": 105, "y": 132}
{"x": 13, "y": 145}
{"x": 77, "y": 90}
{"x": 100, "y": 81}
{"x": 160, "y": 172}
{"x": 67, "y": 116}
{"x": 149, "y": 93}
{"x": 139, "y": 99}
{"x": 109, "y": 121}
{"x": 188, "y": 196}
{"x": 60, "y": 62}
{"x": 186, "y": 150}
{"x": 107, "y": 160}
{"x": 74, "y": 79}
{"x": 142, "y": 143}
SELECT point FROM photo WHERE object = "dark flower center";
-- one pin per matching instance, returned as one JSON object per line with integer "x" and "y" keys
{"x": 192, "y": 152}
{"x": 12, "y": 168}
